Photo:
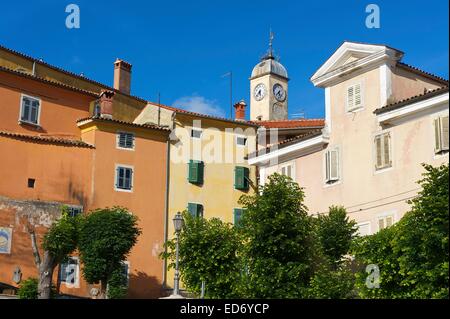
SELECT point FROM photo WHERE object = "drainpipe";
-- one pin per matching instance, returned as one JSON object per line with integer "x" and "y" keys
{"x": 34, "y": 68}
{"x": 166, "y": 204}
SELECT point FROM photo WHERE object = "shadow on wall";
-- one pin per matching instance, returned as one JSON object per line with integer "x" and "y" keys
{"x": 142, "y": 286}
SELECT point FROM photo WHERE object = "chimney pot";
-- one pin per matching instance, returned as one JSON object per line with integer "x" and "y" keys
{"x": 122, "y": 76}
{"x": 240, "y": 110}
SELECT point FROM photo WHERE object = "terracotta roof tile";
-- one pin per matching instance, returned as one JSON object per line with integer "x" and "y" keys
{"x": 412, "y": 99}
{"x": 47, "y": 139}
{"x": 422, "y": 72}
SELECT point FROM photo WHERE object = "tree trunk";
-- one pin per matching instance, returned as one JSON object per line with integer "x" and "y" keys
{"x": 46, "y": 269}
{"x": 103, "y": 289}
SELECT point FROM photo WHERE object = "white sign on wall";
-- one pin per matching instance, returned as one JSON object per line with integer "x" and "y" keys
{"x": 5, "y": 240}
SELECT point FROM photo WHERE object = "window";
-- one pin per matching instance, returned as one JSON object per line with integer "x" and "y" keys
{"x": 31, "y": 182}
{"x": 383, "y": 151}
{"x": 195, "y": 172}
{"x": 241, "y": 141}
{"x": 364, "y": 229}
{"x": 124, "y": 178}
{"x": 74, "y": 210}
{"x": 196, "y": 133}
{"x": 241, "y": 178}
{"x": 441, "y": 134}
{"x": 125, "y": 140}
{"x": 332, "y": 166}
{"x": 30, "y": 110}
{"x": 354, "y": 97}
{"x": 237, "y": 215}
{"x": 385, "y": 222}
{"x": 69, "y": 272}
{"x": 196, "y": 210}
{"x": 97, "y": 109}
{"x": 287, "y": 170}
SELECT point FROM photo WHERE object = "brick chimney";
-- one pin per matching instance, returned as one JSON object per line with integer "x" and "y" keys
{"x": 106, "y": 104}
{"x": 240, "y": 110}
{"x": 122, "y": 76}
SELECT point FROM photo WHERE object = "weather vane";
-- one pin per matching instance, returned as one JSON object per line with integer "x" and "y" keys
{"x": 271, "y": 36}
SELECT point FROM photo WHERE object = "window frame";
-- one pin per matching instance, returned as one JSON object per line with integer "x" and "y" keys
{"x": 391, "y": 151}
{"x": 74, "y": 207}
{"x": 76, "y": 284}
{"x": 243, "y": 137}
{"x": 368, "y": 223}
{"x": 442, "y": 152}
{"x": 358, "y": 108}
{"x": 196, "y": 130}
{"x": 329, "y": 182}
{"x": 285, "y": 165}
{"x": 384, "y": 217}
{"x": 116, "y": 188}
{"x": 38, "y": 112}
{"x": 197, "y": 204}
{"x": 125, "y": 148}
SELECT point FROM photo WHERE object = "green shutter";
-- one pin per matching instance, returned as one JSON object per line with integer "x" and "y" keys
{"x": 195, "y": 174}
{"x": 241, "y": 178}
{"x": 196, "y": 210}
{"x": 237, "y": 212}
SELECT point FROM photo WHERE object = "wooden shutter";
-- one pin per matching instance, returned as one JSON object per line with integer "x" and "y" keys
{"x": 389, "y": 221}
{"x": 334, "y": 165}
{"x": 444, "y": 133}
{"x": 381, "y": 224}
{"x": 350, "y": 97}
{"x": 196, "y": 210}
{"x": 241, "y": 175}
{"x": 379, "y": 152}
{"x": 387, "y": 150}
{"x": 237, "y": 214}
{"x": 358, "y": 96}
{"x": 195, "y": 174}
{"x": 437, "y": 135}
{"x": 289, "y": 171}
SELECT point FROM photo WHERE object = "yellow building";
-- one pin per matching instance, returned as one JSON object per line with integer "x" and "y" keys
{"x": 207, "y": 169}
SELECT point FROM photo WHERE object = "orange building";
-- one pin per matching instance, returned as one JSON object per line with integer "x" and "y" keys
{"x": 67, "y": 140}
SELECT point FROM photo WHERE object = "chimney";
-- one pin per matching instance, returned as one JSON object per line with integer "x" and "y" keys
{"x": 240, "y": 110}
{"x": 106, "y": 105}
{"x": 122, "y": 76}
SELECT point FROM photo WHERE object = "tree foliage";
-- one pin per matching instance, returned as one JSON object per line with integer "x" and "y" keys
{"x": 106, "y": 238}
{"x": 277, "y": 232}
{"x": 412, "y": 255}
{"x": 208, "y": 252}
{"x": 28, "y": 289}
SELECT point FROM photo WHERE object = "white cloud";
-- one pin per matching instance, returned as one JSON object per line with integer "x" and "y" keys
{"x": 199, "y": 104}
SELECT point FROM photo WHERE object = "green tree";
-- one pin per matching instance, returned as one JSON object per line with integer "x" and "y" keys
{"x": 106, "y": 238}
{"x": 208, "y": 252}
{"x": 335, "y": 232}
{"x": 28, "y": 289}
{"x": 412, "y": 255}
{"x": 277, "y": 232}
{"x": 117, "y": 284}
{"x": 60, "y": 241}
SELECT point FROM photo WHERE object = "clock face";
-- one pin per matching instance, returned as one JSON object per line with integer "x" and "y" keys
{"x": 279, "y": 93}
{"x": 260, "y": 92}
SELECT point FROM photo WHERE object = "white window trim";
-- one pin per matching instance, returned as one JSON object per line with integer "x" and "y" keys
{"x": 324, "y": 167}
{"x": 115, "y": 179}
{"x": 77, "y": 276}
{"x": 241, "y": 136}
{"x": 392, "y": 214}
{"x": 38, "y": 117}
{"x": 434, "y": 117}
{"x": 364, "y": 224}
{"x": 118, "y": 140}
{"x": 284, "y": 165}
{"x": 374, "y": 152}
{"x": 199, "y": 130}
{"x": 359, "y": 108}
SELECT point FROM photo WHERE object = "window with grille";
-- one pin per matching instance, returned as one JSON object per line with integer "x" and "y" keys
{"x": 124, "y": 178}
{"x": 383, "y": 151}
{"x": 125, "y": 140}
{"x": 30, "y": 108}
{"x": 441, "y": 134}
{"x": 332, "y": 166}
{"x": 354, "y": 97}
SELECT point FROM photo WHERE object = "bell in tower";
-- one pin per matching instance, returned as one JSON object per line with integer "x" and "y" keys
{"x": 269, "y": 89}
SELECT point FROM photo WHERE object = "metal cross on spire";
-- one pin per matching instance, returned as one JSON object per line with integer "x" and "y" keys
{"x": 271, "y": 36}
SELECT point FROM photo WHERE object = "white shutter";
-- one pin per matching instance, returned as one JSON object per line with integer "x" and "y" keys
{"x": 389, "y": 221}
{"x": 327, "y": 166}
{"x": 444, "y": 133}
{"x": 334, "y": 165}
{"x": 289, "y": 171}
{"x": 378, "y": 150}
{"x": 350, "y": 98}
{"x": 358, "y": 97}
{"x": 381, "y": 224}
{"x": 437, "y": 135}
{"x": 387, "y": 150}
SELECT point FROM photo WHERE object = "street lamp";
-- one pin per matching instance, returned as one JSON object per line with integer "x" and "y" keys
{"x": 178, "y": 223}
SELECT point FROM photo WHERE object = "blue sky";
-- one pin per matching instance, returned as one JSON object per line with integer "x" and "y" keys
{"x": 182, "y": 48}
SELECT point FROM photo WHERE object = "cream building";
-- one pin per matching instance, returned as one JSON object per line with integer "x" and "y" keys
{"x": 383, "y": 119}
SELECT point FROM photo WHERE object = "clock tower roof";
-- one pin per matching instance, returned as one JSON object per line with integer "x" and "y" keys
{"x": 269, "y": 64}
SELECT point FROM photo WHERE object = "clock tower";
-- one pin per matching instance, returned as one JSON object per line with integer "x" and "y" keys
{"x": 269, "y": 89}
